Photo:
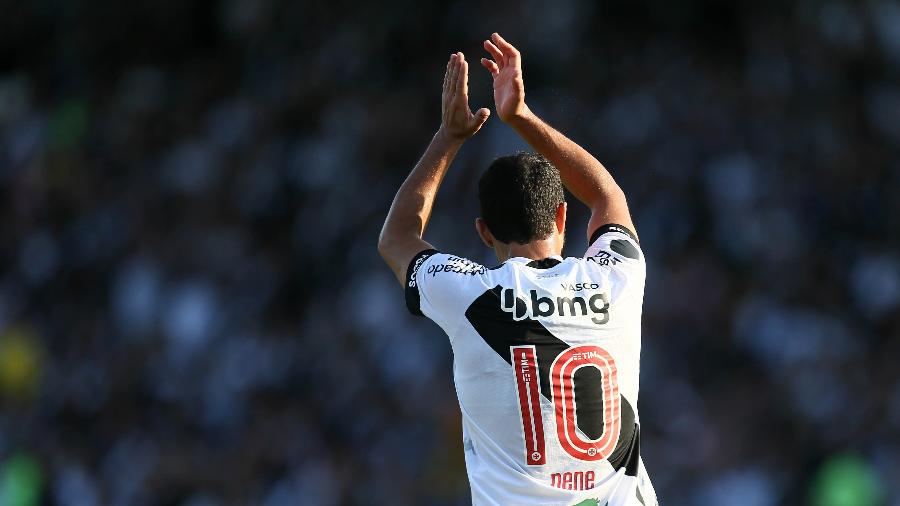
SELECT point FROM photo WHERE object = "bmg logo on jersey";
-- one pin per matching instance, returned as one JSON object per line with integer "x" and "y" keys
{"x": 536, "y": 306}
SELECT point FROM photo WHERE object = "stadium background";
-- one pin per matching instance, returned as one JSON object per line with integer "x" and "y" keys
{"x": 193, "y": 312}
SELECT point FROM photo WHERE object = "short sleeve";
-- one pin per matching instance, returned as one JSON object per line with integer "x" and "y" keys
{"x": 411, "y": 289}
{"x": 441, "y": 286}
{"x": 613, "y": 245}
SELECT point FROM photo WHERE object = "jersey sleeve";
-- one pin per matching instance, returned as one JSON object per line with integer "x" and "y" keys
{"x": 441, "y": 286}
{"x": 614, "y": 245}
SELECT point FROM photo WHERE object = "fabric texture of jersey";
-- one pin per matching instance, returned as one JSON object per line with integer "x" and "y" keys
{"x": 546, "y": 365}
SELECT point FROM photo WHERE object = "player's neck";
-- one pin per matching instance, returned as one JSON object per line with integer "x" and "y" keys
{"x": 535, "y": 250}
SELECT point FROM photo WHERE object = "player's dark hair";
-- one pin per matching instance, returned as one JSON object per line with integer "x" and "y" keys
{"x": 519, "y": 195}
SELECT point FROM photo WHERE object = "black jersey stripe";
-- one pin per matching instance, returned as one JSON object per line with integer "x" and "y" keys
{"x": 612, "y": 227}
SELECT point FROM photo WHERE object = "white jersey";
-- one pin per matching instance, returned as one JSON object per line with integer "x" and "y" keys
{"x": 546, "y": 361}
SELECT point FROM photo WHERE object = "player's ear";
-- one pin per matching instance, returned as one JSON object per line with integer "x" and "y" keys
{"x": 561, "y": 218}
{"x": 484, "y": 232}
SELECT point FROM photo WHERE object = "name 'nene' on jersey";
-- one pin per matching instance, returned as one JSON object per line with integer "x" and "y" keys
{"x": 546, "y": 363}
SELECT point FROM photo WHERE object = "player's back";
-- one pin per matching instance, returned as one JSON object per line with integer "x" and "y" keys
{"x": 546, "y": 363}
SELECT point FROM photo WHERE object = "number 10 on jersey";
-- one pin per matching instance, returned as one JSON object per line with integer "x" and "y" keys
{"x": 562, "y": 385}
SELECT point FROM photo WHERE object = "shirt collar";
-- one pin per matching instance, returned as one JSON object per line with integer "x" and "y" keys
{"x": 526, "y": 261}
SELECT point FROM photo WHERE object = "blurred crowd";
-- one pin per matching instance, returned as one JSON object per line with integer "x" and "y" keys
{"x": 193, "y": 311}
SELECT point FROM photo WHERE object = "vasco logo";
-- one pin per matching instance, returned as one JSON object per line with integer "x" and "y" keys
{"x": 457, "y": 265}
{"x": 577, "y": 287}
{"x": 597, "y": 304}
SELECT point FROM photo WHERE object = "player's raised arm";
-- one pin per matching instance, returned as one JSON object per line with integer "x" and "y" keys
{"x": 401, "y": 236}
{"x": 581, "y": 173}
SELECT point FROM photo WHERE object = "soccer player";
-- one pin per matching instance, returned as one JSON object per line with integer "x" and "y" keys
{"x": 546, "y": 349}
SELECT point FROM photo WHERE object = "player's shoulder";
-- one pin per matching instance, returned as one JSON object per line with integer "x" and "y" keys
{"x": 433, "y": 263}
{"x": 440, "y": 278}
{"x": 613, "y": 245}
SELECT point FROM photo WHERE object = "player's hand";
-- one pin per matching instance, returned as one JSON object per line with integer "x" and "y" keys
{"x": 506, "y": 69}
{"x": 457, "y": 120}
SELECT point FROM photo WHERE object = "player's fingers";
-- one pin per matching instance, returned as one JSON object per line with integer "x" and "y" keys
{"x": 491, "y": 66}
{"x": 458, "y": 70}
{"x": 463, "y": 84}
{"x": 481, "y": 116}
{"x": 496, "y": 54}
{"x": 509, "y": 51}
{"x": 447, "y": 76}
{"x": 454, "y": 70}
